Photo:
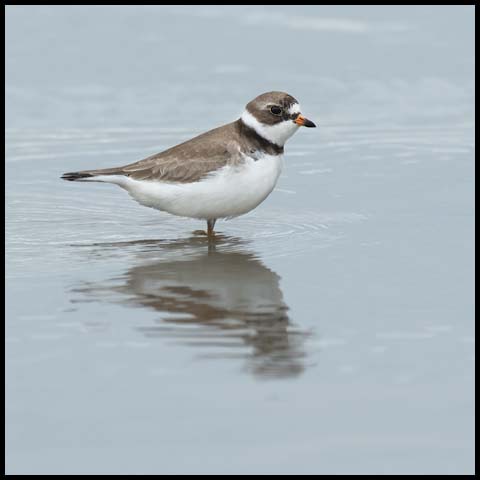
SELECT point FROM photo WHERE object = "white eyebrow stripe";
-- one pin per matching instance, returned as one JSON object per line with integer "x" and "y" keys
{"x": 295, "y": 108}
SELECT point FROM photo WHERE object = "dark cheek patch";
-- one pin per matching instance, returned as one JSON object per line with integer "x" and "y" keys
{"x": 288, "y": 116}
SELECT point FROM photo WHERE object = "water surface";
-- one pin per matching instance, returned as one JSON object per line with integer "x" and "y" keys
{"x": 328, "y": 331}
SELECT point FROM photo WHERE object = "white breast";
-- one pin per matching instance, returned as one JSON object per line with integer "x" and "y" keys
{"x": 231, "y": 191}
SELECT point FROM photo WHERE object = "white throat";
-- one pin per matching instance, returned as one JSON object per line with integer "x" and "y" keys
{"x": 277, "y": 134}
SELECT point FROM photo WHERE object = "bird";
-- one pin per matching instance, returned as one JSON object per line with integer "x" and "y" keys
{"x": 221, "y": 174}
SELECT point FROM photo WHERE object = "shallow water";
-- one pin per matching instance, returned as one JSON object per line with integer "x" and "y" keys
{"x": 329, "y": 331}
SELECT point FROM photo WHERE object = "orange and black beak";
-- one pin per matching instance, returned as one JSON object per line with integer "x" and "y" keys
{"x": 304, "y": 122}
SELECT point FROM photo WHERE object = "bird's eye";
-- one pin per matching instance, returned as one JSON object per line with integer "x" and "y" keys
{"x": 276, "y": 110}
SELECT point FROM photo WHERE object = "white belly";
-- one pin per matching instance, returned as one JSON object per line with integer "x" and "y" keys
{"x": 228, "y": 192}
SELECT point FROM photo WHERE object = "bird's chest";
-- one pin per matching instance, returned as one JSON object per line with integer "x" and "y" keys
{"x": 257, "y": 176}
{"x": 246, "y": 185}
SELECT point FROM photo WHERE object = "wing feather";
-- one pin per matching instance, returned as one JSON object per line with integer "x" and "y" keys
{"x": 185, "y": 163}
{"x": 189, "y": 161}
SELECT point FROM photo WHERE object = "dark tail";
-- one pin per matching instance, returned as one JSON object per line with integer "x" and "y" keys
{"x": 73, "y": 176}
{"x": 87, "y": 174}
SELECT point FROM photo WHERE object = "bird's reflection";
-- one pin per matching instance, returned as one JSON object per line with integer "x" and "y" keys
{"x": 217, "y": 297}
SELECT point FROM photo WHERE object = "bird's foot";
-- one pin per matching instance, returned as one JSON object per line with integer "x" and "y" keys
{"x": 211, "y": 235}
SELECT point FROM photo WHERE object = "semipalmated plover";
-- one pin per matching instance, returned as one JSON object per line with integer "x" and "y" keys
{"x": 222, "y": 173}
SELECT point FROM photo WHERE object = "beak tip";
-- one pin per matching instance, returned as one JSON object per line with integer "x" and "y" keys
{"x": 304, "y": 122}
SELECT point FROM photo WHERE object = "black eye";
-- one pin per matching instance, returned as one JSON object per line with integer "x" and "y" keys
{"x": 276, "y": 110}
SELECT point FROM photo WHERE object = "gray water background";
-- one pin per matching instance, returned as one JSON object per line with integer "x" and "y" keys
{"x": 331, "y": 330}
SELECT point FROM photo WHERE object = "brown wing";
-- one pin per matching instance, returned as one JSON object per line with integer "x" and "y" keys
{"x": 190, "y": 161}
{"x": 185, "y": 163}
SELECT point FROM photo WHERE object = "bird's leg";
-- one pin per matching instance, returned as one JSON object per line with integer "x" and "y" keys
{"x": 210, "y": 225}
{"x": 210, "y": 233}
